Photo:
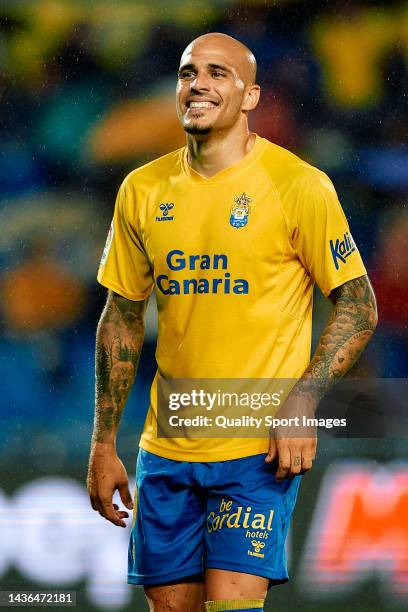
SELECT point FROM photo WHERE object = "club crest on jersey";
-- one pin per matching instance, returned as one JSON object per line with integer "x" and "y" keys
{"x": 165, "y": 208}
{"x": 240, "y": 211}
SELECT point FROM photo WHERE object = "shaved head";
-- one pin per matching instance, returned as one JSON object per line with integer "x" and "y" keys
{"x": 240, "y": 56}
{"x": 216, "y": 85}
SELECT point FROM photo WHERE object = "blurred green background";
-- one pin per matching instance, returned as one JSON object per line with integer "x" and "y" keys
{"x": 86, "y": 95}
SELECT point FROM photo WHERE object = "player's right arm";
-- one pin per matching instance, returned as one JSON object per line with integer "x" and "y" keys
{"x": 119, "y": 341}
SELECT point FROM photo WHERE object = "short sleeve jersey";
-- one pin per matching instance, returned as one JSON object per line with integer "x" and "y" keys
{"x": 233, "y": 260}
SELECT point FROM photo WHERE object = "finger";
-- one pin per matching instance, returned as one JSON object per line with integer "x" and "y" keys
{"x": 93, "y": 503}
{"x": 125, "y": 496}
{"x": 272, "y": 451}
{"x": 112, "y": 517}
{"x": 307, "y": 463}
{"x": 98, "y": 505}
{"x": 120, "y": 513}
{"x": 296, "y": 462}
{"x": 109, "y": 513}
{"x": 284, "y": 463}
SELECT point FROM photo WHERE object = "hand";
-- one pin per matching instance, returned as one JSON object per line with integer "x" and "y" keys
{"x": 106, "y": 473}
{"x": 293, "y": 444}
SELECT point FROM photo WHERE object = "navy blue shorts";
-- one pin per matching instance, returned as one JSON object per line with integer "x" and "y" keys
{"x": 229, "y": 515}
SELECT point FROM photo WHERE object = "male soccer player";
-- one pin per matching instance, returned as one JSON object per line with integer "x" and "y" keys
{"x": 233, "y": 232}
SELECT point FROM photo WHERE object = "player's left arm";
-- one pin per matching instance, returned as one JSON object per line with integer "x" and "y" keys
{"x": 348, "y": 330}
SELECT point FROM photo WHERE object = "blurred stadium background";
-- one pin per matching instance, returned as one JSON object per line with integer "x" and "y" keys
{"x": 87, "y": 94}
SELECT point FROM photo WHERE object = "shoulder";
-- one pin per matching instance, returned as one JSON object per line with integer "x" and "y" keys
{"x": 304, "y": 192}
{"x": 290, "y": 173}
{"x": 155, "y": 172}
{"x": 300, "y": 186}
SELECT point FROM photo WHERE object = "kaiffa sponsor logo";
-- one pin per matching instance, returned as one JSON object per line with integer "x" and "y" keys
{"x": 341, "y": 249}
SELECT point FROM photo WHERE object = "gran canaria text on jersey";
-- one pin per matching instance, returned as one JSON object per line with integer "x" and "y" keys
{"x": 177, "y": 261}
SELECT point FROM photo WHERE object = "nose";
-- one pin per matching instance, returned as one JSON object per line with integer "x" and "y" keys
{"x": 200, "y": 83}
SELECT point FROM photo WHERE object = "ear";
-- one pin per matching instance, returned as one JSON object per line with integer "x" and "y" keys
{"x": 251, "y": 97}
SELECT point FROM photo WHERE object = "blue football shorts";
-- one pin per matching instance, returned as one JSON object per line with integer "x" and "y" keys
{"x": 191, "y": 516}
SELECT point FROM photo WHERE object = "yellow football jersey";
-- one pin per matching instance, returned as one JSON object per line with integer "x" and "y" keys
{"x": 233, "y": 260}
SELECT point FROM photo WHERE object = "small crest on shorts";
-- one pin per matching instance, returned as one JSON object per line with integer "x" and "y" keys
{"x": 240, "y": 211}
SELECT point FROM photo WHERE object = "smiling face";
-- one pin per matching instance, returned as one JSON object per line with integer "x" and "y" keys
{"x": 216, "y": 84}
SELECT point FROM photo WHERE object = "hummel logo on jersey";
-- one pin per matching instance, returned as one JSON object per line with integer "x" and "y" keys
{"x": 165, "y": 208}
{"x": 341, "y": 249}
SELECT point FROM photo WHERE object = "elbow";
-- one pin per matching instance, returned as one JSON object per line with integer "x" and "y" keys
{"x": 373, "y": 314}
{"x": 373, "y": 322}
{"x": 374, "y": 318}
{"x": 371, "y": 317}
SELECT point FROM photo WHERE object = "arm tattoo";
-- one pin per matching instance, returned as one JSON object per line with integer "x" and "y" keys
{"x": 119, "y": 340}
{"x": 350, "y": 326}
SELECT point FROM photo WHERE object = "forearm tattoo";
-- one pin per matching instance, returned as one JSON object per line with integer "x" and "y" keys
{"x": 350, "y": 326}
{"x": 119, "y": 340}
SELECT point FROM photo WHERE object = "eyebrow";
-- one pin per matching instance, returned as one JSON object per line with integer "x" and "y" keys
{"x": 216, "y": 66}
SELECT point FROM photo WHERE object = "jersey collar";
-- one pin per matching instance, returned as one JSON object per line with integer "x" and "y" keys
{"x": 226, "y": 173}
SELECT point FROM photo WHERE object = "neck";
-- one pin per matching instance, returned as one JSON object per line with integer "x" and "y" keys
{"x": 214, "y": 152}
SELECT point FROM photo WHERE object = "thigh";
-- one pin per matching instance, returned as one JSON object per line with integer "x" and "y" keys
{"x": 167, "y": 536}
{"x": 248, "y": 516}
{"x": 179, "y": 597}
{"x": 224, "y": 584}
